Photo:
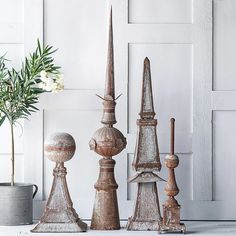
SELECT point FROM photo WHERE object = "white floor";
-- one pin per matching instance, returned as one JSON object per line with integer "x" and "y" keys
{"x": 193, "y": 227}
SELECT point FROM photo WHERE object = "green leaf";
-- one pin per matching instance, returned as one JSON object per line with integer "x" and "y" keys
{"x": 2, "y": 119}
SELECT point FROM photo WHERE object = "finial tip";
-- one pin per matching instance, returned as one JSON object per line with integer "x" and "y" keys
{"x": 146, "y": 60}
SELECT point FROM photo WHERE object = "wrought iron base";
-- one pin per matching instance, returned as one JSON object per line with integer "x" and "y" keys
{"x": 171, "y": 228}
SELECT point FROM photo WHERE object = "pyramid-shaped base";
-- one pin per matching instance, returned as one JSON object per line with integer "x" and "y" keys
{"x": 53, "y": 227}
{"x": 142, "y": 225}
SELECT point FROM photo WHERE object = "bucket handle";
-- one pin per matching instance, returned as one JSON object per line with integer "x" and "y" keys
{"x": 35, "y": 191}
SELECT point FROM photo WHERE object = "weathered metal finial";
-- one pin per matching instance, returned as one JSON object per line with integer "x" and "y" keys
{"x": 171, "y": 208}
{"x": 59, "y": 214}
{"x": 146, "y": 215}
{"x": 107, "y": 142}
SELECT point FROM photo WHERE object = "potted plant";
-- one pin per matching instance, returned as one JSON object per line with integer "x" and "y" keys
{"x": 19, "y": 94}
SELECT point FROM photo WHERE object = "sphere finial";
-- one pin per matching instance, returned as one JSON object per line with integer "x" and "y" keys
{"x": 59, "y": 147}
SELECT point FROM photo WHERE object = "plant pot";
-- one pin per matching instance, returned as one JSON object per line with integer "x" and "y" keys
{"x": 16, "y": 203}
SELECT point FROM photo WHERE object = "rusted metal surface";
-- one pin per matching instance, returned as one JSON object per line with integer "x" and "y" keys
{"x": 146, "y": 215}
{"x": 107, "y": 142}
{"x": 59, "y": 214}
{"x": 171, "y": 208}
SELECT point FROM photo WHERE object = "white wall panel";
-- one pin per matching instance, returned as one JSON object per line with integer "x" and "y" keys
{"x": 160, "y": 11}
{"x": 79, "y": 30}
{"x": 224, "y": 161}
{"x": 11, "y": 21}
{"x": 224, "y": 44}
{"x": 171, "y": 70}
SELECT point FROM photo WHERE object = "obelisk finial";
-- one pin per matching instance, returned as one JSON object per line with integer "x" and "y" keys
{"x": 146, "y": 162}
{"x": 147, "y": 109}
{"x": 109, "y": 93}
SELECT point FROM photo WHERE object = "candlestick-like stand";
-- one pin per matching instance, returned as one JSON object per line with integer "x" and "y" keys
{"x": 107, "y": 142}
{"x": 59, "y": 214}
{"x": 171, "y": 208}
{"x": 146, "y": 214}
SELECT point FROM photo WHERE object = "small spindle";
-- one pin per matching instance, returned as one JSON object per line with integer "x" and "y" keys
{"x": 171, "y": 207}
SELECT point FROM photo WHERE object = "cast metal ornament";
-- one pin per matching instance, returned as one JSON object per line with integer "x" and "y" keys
{"x": 146, "y": 215}
{"x": 107, "y": 142}
{"x": 59, "y": 214}
{"x": 171, "y": 208}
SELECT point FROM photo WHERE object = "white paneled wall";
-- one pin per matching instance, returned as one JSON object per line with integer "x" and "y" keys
{"x": 178, "y": 37}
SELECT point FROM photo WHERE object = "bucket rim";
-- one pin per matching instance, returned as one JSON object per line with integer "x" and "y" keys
{"x": 16, "y": 185}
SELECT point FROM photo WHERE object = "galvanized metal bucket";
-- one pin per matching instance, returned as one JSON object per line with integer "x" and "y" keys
{"x": 16, "y": 203}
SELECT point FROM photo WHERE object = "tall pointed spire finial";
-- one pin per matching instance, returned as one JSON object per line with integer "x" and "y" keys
{"x": 147, "y": 109}
{"x": 107, "y": 142}
{"x": 110, "y": 85}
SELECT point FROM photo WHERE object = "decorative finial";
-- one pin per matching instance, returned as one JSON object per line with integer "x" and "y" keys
{"x": 146, "y": 162}
{"x": 147, "y": 109}
{"x": 107, "y": 142}
{"x": 171, "y": 208}
{"x": 59, "y": 215}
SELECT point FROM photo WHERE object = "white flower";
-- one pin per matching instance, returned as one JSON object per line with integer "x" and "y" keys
{"x": 51, "y": 82}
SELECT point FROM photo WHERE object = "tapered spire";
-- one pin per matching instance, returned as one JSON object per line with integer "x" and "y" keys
{"x": 109, "y": 117}
{"x": 110, "y": 85}
{"x": 147, "y": 109}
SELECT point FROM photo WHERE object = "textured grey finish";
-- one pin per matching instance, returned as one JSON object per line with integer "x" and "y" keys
{"x": 146, "y": 215}
{"x": 59, "y": 214}
{"x": 16, "y": 204}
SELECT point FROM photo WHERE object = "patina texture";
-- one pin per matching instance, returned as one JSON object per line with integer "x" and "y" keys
{"x": 171, "y": 208}
{"x": 59, "y": 214}
{"x": 107, "y": 142}
{"x": 146, "y": 215}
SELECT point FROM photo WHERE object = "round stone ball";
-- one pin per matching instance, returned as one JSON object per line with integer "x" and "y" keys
{"x": 59, "y": 147}
{"x": 171, "y": 161}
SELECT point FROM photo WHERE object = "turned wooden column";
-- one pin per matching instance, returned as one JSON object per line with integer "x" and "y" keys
{"x": 171, "y": 208}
